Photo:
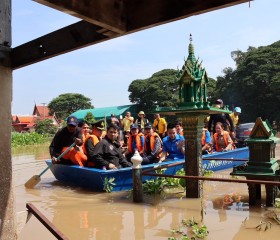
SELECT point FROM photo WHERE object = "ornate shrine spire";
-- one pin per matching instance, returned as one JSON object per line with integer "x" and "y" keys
{"x": 191, "y": 56}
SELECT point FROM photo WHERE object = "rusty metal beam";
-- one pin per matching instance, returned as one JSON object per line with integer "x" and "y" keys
{"x": 47, "y": 223}
{"x": 72, "y": 37}
{"x": 109, "y": 14}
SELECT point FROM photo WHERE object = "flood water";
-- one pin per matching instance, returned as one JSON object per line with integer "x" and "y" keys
{"x": 81, "y": 214}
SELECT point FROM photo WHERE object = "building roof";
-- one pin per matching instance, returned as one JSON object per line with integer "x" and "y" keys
{"x": 41, "y": 111}
{"x": 99, "y": 113}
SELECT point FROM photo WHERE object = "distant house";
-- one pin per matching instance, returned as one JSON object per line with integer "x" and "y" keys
{"x": 26, "y": 123}
{"x": 22, "y": 123}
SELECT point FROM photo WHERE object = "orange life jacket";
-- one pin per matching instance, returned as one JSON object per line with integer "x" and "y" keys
{"x": 225, "y": 135}
{"x": 94, "y": 139}
{"x": 152, "y": 143}
{"x": 76, "y": 157}
{"x": 138, "y": 143}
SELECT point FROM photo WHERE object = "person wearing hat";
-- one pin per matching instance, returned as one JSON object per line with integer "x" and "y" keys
{"x": 152, "y": 146}
{"x": 235, "y": 115}
{"x": 107, "y": 153}
{"x": 64, "y": 138}
{"x": 135, "y": 141}
{"x": 92, "y": 140}
{"x": 141, "y": 121}
{"x": 224, "y": 118}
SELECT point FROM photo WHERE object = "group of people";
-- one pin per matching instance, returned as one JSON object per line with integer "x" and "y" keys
{"x": 101, "y": 148}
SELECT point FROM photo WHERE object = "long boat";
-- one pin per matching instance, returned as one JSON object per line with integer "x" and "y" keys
{"x": 95, "y": 179}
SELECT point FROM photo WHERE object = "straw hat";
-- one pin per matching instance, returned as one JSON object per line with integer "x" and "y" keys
{"x": 141, "y": 113}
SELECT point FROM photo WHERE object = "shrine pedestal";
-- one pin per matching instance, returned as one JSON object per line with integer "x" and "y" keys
{"x": 193, "y": 124}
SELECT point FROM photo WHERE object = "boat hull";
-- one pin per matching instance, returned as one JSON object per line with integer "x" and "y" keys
{"x": 93, "y": 179}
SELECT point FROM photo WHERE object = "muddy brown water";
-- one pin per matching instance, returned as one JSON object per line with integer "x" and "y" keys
{"x": 81, "y": 214}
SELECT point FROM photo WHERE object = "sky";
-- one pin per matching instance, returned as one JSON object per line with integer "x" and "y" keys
{"x": 103, "y": 72}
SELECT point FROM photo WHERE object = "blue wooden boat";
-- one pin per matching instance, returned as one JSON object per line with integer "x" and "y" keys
{"x": 93, "y": 179}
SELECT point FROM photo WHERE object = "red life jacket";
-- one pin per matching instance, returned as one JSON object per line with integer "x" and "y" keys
{"x": 138, "y": 143}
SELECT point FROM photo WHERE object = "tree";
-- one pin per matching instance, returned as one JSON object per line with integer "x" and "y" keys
{"x": 160, "y": 89}
{"x": 66, "y": 104}
{"x": 45, "y": 126}
{"x": 255, "y": 84}
{"x": 89, "y": 118}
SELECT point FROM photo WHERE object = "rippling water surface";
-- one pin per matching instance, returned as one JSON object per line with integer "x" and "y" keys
{"x": 81, "y": 214}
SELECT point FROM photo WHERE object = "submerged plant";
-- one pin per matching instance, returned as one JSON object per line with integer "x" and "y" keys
{"x": 189, "y": 229}
{"x": 158, "y": 184}
{"x": 109, "y": 184}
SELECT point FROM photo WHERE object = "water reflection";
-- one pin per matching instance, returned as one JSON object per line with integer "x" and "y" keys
{"x": 81, "y": 214}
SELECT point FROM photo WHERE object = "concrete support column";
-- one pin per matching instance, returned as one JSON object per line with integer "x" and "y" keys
{"x": 7, "y": 211}
{"x": 193, "y": 124}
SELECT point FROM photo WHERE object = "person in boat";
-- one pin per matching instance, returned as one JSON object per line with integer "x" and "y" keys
{"x": 179, "y": 128}
{"x": 173, "y": 144}
{"x": 135, "y": 141}
{"x": 153, "y": 145}
{"x": 221, "y": 139}
{"x": 107, "y": 153}
{"x": 141, "y": 121}
{"x": 224, "y": 118}
{"x": 206, "y": 141}
{"x": 92, "y": 140}
{"x": 63, "y": 139}
{"x": 126, "y": 123}
{"x": 160, "y": 125}
{"x": 84, "y": 125}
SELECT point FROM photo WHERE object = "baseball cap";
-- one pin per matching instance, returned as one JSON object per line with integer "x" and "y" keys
{"x": 133, "y": 126}
{"x": 72, "y": 120}
{"x": 148, "y": 125}
{"x": 237, "y": 109}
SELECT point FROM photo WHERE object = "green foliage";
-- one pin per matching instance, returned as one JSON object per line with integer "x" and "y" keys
{"x": 109, "y": 184}
{"x": 66, "y": 104}
{"x": 158, "y": 184}
{"x": 23, "y": 139}
{"x": 89, "y": 118}
{"x": 189, "y": 229}
{"x": 160, "y": 89}
{"x": 45, "y": 127}
{"x": 255, "y": 84}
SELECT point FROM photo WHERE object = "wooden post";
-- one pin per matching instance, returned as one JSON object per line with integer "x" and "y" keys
{"x": 7, "y": 211}
{"x": 137, "y": 177}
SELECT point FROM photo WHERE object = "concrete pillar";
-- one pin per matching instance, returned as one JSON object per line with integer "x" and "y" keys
{"x": 7, "y": 211}
{"x": 193, "y": 124}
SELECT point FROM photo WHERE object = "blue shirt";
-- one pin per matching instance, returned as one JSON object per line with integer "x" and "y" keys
{"x": 207, "y": 137}
{"x": 170, "y": 146}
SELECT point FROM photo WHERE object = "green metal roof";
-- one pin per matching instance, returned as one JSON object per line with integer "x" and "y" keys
{"x": 100, "y": 113}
